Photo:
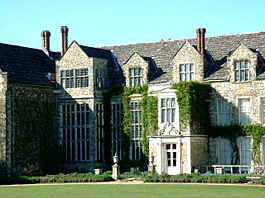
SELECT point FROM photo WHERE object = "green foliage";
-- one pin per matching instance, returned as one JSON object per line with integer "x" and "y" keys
{"x": 256, "y": 131}
{"x": 261, "y": 180}
{"x": 60, "y": 178}
{"x": 196, "y": 178}
{"x": 149, "y": 119}
{"x": 34, "y": 118}
{"x": 193, "y": 97}
{"x": 149, "y": 114}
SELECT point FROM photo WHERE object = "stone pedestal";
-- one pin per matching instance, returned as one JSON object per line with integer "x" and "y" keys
{"x": 115, "y": 171}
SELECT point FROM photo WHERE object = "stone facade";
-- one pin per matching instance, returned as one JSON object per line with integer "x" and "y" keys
{"x": 188, "y": 54}
{"x": 136, "y": 61}
{"x": 89, "y": 124}
{"x": 3, "y": 124}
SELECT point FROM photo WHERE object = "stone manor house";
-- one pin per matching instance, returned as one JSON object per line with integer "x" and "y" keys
{"x": 63, "y": 95}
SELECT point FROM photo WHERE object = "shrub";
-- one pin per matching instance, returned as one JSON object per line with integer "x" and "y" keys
{"x": 197, "y": 178}
{"x": 60, "y": 178}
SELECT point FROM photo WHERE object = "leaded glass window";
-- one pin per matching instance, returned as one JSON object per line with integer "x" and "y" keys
{"x": 74, "y": 78}
{"x": 135, "y": 77}
{"x": 74, "y": 126}
{"x": 168, "y": 110}
{"x": 241, "y": 71}
{"x": 186, "y": 72}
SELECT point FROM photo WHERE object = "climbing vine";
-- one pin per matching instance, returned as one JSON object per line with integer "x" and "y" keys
{"x": 193, "y": 101}
{"x": 34, "y": 123}
{"x": 148, "y": 117}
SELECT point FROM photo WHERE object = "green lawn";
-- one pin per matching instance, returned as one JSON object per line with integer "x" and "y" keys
{"x": 131, "y": 191}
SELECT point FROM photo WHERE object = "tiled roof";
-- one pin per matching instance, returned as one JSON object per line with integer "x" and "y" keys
{"x": 217, "y": 49}
{"x": 24, "y": 64}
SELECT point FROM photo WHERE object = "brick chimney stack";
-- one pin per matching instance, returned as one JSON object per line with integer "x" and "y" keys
{"x": 201, "y": 40}
{"x": 46, "y": 40}
{"x": 64, "y": 31}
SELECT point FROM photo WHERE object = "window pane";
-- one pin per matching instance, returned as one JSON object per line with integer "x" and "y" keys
{"x": 173, "y": 115}
{"x": 191, "y": 67}
{"x": 237, "y": 76}
{"x": 163, "y": 115}
{"x": 246, "y": 74}
{"x": 187, "y": 67}
{"x": 182, "y": 68}
{"x": 182, "y": 77}
{"x": 168, "y": 102}
{"x": 242, "y": 75}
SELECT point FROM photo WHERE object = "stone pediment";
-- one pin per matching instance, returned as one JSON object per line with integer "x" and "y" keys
{"x": 168, "y": 129}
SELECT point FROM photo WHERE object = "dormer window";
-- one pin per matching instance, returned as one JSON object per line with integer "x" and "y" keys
{"x": 241, "y": 71}
{"x": 135, "y": 77}
{"x": 186, "y": 72}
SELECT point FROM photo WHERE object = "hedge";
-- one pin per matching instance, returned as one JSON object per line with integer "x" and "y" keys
{"x": 60, "y": 178}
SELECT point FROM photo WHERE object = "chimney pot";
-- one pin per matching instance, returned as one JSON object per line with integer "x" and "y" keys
{"x": 198, "y": 31}
{"x": 46, "y": 40}
{"x": 64, "y": 32}
{"x": 201, "y": 40}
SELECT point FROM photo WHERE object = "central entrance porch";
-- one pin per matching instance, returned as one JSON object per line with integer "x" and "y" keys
{"x": 169, "y": 154}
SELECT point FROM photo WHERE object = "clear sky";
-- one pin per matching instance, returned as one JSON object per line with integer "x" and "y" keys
{"x": 116, "y": 22}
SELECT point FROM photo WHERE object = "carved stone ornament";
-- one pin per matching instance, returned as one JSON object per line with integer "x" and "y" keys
{"x": 168, "y": 129}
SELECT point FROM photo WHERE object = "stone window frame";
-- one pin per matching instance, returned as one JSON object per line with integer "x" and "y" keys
{"x": 74, "y": 123}
{"x": 189, "y": 73}
{"x": 136, "y": 130}
{"x": 99, "y": 136}
{"x": 239, "y": 111}
{"x": 74, "y": 78}
{"x": 135, "y": 79}
{"x": 116, "y": 121}
{"x": 168, "y": 110}
{"x": 240, "y": 70}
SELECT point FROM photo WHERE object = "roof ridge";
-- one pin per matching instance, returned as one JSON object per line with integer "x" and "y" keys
{"x": 21, "y": 46}
{"x": 180, "y": 40}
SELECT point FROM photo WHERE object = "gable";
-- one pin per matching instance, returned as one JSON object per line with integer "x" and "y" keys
{"x": 242, "y": 51}
{"x": 75, "y": 56}
{"x": 187, "y": 52}
{"x": 136, "y": 60}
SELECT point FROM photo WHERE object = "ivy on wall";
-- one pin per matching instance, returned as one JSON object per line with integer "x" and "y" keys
{"x": 148, "y": 117}
{"x": 255, "y": 131}
{"x": 34, "y": 123}
{"x": 193, "y": 100}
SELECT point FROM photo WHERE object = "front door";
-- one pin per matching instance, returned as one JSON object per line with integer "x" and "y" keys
{"x": 172, "y": 162}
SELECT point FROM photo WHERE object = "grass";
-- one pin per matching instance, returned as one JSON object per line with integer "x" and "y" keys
{"x": 132, "y": 191}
